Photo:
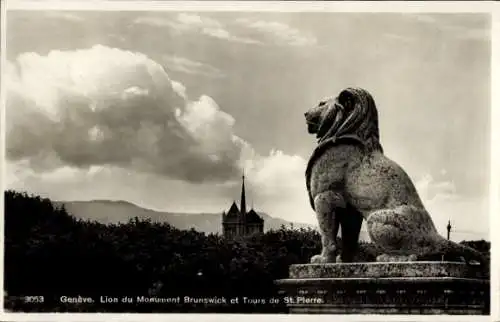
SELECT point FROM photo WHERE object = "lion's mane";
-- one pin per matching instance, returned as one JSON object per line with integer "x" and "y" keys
{"x": 351, "y": 118}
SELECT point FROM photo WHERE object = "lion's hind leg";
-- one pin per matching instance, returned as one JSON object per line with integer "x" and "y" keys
{"x": 326, "y": 205}
{"x": 402, "y": 232}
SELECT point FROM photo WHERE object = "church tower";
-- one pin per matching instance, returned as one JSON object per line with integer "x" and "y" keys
{"x": 238, "y": 222}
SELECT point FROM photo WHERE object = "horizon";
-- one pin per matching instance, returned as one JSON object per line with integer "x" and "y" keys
{"x": 165, "y": 109}
{"x": 259, "y": 212}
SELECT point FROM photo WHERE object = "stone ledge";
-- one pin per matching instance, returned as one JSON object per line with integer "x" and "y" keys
{"x": 389, "y": 295}
{"x": 387, "y": 310}
{"x": 379, "y": 280}
{"x": 383, "y": 269}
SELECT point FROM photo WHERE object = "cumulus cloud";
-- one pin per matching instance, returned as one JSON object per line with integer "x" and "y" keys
{"x": 272, "y": 173}
{"x": 189, "y": 22}
{"x": 279, "y": 188}
{"x": 107, "y": 106}
{"x": 280, "y": 31}
{"x": 102, "y": 107}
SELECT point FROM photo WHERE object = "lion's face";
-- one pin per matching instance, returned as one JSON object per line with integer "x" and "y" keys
{"x": 315, "y": 116}
{"x": 352, "y": 112}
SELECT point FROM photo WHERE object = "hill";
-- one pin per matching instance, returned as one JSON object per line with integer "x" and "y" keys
{"x": 113, "y": 212}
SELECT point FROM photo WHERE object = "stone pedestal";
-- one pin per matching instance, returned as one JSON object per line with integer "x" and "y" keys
{"x": 386, "y": 288}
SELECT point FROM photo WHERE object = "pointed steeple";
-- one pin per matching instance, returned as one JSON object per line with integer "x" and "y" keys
{"x": 243, "y": 206}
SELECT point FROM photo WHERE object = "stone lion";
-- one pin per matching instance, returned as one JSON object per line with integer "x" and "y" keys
{"x": 350, "y": 179}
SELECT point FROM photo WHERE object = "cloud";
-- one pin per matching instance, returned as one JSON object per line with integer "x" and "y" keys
{"x": 184, "y": 65}
{"x": 210, "y": 27}
{"x": 188, "y": 22}
{"x": 279, "y": 186}
{"x": 72, "y": 111}
{"x": 272, "y": 173}
{"x": 104, "y": 106}
{"x": 280, "y": 31}
{"x": 429, "y": 188}
{"x": 155, "y": 22}
{"x": 469, "y": 216}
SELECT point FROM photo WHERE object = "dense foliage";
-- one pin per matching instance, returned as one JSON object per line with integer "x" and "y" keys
{"x": 50, "y": 253}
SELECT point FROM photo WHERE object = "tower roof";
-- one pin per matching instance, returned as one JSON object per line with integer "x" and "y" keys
{"x": 233, "y": 210}
{"x": 253, "y": 217}
{"x": 233, "y": 214}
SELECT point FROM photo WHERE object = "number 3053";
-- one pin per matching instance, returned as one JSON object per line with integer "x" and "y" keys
{"x": 33, "y": 299}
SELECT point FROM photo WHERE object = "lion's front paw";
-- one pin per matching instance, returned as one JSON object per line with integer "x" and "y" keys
{"x": 318, "y": 259}
{"x": 322, "y": 259}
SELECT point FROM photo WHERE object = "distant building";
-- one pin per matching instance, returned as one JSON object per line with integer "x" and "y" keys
{"x": 238, "y": 222}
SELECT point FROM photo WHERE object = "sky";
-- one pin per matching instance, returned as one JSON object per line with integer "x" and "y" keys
{"x": 167, "y": 109}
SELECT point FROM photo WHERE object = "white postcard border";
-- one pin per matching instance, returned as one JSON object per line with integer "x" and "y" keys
{"x": 288, "y": 6}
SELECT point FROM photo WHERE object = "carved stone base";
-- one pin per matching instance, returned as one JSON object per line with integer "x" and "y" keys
{"x": 386, "y": 288}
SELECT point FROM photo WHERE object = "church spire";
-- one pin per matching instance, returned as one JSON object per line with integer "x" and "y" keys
{"x": 243, "y": 206}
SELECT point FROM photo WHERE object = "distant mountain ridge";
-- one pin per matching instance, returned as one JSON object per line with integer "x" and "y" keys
{"x": 119, "y": 211}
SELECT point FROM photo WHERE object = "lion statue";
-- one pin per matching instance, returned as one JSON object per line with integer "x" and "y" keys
{"x": 349, "y": 179}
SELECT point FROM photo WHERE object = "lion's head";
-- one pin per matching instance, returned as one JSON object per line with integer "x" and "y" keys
{"x": 352, "y": 113}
